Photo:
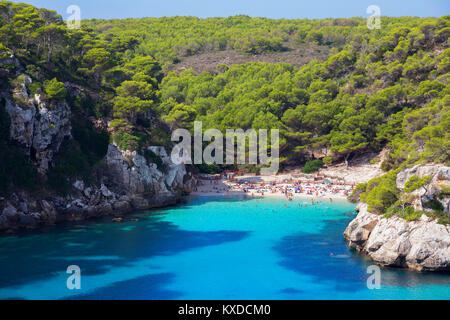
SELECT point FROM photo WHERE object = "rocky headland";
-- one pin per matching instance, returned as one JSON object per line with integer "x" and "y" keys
{"x": 422, "y": 244}
{"x": 126, "y": 182}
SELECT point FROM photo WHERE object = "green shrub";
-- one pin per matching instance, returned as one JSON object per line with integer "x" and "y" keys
{"x": 434, "y": 204}
{"x": 416, "y": 182}
{"x": 312, "y": 166}
{"x": 209, "y": 168}
{"x": 386, "y": 166}
{"x": 126, "y": 141}
{"x": 327, "y": 160}
{"x": 439, "y": 216}
{"x": 411, "y": 214}
{"x": 444, "y": 220}
{"x": 159, "y": 137}
{"x": 4, "y": 51}
{"x": 445, "y": 192}
{"x": 55, "y": 90}
{"x": 34, "y": 88}
{"x": 356, "y": 193}
{"x": 381, "y": 193}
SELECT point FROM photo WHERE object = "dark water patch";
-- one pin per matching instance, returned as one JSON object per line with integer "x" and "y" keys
{"x": 101, "y": 248}
{"x": 327, "y": 257}
{"x": 324, "y": 256}
{"x": 292, "y": 291}
{"x": 211, "y": 247}
{"x": 149, "y": 287}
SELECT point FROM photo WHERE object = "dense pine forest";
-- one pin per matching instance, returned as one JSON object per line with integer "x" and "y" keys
{"x": 334, "y": 88}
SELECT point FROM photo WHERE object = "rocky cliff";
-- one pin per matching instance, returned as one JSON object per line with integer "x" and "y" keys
{"x": 128, "y": 181}
{"x": 35, "y": 126}
{"x": 439, "y": 177}
{"x": 421, "y": 245}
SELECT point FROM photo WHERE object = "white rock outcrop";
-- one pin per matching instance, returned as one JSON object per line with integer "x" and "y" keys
{"x": 37, "y": 127}
{"x": 440, "y": 175}
{"x": 132, "y": 171}
{"x": 422, "y": 245}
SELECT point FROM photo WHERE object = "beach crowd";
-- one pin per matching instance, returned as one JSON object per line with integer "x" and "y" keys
{"x": 289, "y": 189}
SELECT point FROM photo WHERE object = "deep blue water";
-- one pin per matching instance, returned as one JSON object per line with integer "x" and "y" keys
{"x": 210, "y": 248}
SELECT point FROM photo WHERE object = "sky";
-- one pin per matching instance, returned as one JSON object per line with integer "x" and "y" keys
{"x": 312, "y": 9}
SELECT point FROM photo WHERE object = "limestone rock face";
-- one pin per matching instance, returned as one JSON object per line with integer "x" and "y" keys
{"x": 130, "y": 170}
{"x": 440, "y": 175}
{"x": 175, "y": 172}
{"x": 422, "y": 245}
{"x": 129, "y": 182}
{"x": 38, "y": 127}
{"x": 136, "y": 175}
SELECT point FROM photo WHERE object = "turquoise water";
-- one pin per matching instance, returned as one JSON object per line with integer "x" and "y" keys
{"x": 210, "y": 248}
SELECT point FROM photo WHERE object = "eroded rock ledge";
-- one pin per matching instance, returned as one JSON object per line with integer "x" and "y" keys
{"x": 422, "y": 245}
{"x": 130, "y": 183}
{"x": 127, "y": 181}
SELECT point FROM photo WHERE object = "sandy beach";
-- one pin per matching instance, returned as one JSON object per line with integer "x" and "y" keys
{"x": 269, "y": 195}
{"x": 286, "y": 185}
{"x": 333, "y": 182}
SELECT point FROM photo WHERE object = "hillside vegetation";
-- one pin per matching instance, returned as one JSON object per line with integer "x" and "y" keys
{"x": 367, "y": 89}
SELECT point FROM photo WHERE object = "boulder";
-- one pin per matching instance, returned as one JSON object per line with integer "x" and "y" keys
{"x": 87, "y": 192}
{"x": 104, "y": 209}
{"x": 79, "y": 185}
{"x": 105, "y": 192}
{"x": 139, "y": 203}
{"x": 11, "y": 213}
{"x": 3, "y": 222}
{"x": 27, "y": 221}
{"x": 23, "y": 206}
{"x": 121, "y": 207}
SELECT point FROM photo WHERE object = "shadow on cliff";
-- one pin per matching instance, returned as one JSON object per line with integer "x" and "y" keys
{"x": 100, "y": 247}
{"x": 327, "y": 258}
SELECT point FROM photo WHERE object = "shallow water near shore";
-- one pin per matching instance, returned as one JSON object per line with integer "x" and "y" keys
{"x": 209, "y": 248}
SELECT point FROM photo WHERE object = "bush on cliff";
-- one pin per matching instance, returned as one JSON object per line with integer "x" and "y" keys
{"x": 55, "y": 90}
{"x": 127, "y": 141}
{"x": 312, "y": 166}
{"x": 356, "y": 193}
{"x": 381, "y": 193}
{"x": 416, "y": 182}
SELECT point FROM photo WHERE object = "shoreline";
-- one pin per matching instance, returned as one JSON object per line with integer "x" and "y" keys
{"x": 269, "y": 195}
{"x": 287, "y": 185}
